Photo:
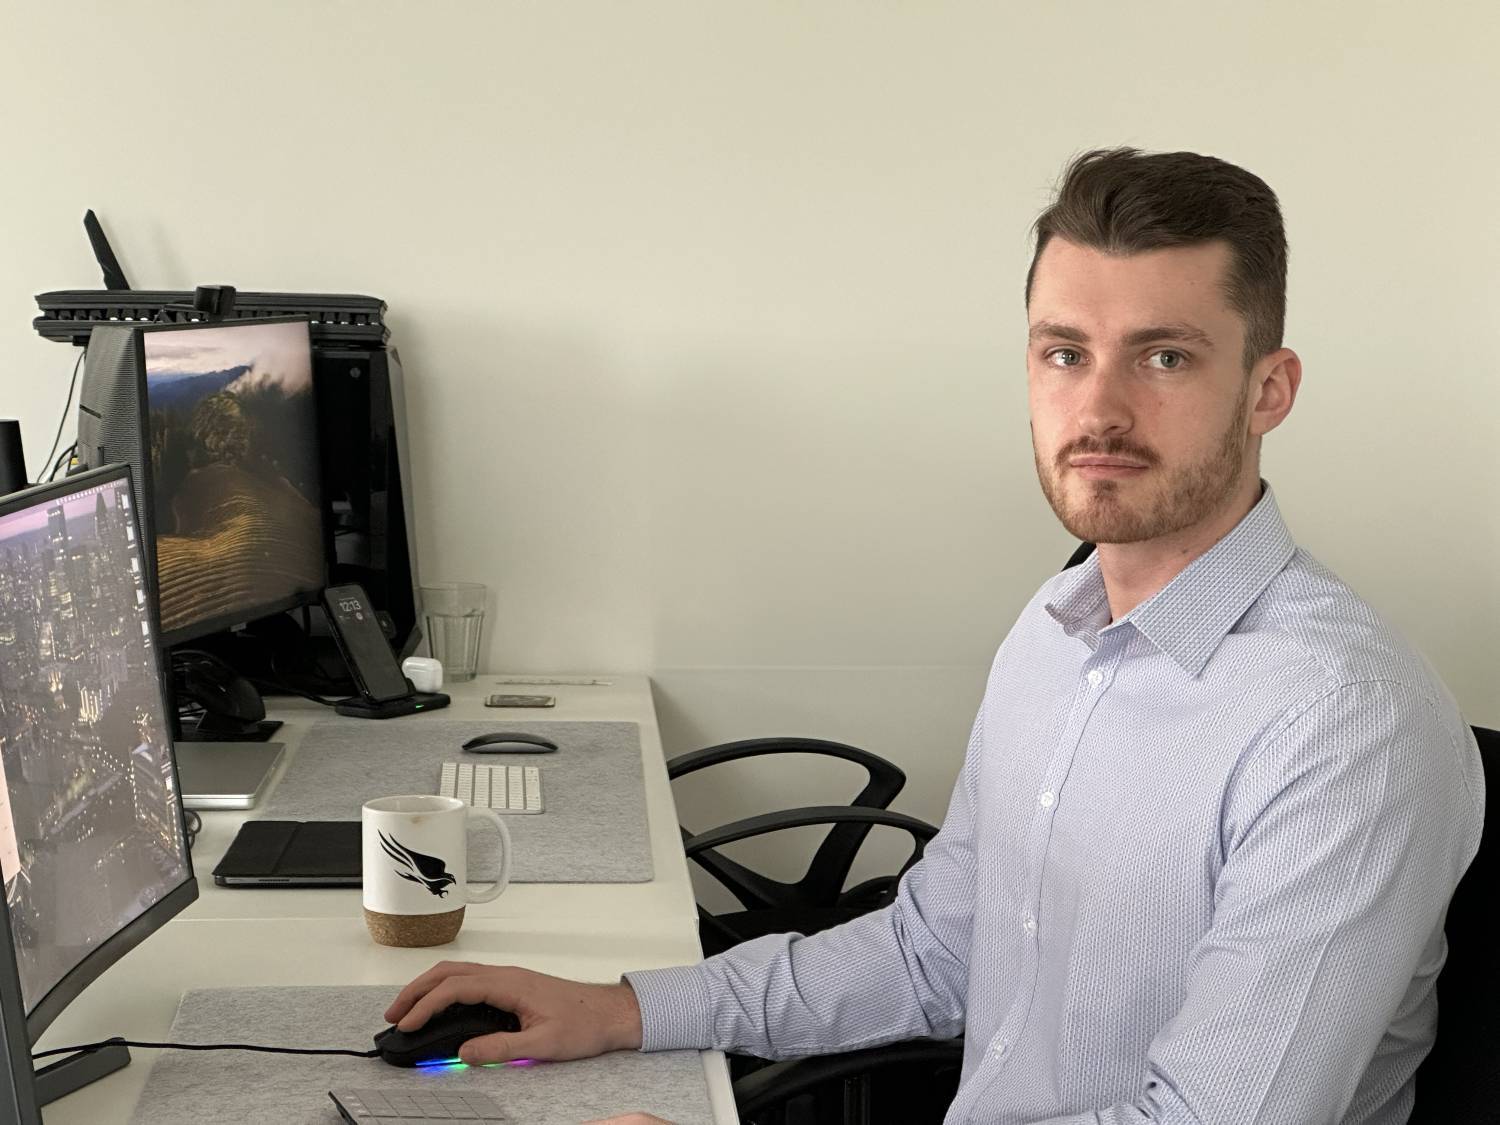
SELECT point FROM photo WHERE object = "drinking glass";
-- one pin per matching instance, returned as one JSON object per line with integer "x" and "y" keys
{"x": 453, "y": 616}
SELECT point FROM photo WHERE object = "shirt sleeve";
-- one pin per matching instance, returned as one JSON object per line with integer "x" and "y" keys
{"x": 897, "y": 973}
{"x": 1344, "y": 836}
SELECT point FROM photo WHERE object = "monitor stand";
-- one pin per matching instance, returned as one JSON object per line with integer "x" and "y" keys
{"x": 73, "y": 1072}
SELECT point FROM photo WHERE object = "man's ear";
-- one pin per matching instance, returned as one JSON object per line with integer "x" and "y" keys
{"x": 1273, "y": 389}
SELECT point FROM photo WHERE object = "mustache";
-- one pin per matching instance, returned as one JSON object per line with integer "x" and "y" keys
{"x": 1105, "y": 447}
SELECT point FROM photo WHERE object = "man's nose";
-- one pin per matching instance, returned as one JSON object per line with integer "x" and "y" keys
{"x": 1104, "y": 405}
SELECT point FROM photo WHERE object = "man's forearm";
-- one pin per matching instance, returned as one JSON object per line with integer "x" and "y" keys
{"x": 786, "y": 995}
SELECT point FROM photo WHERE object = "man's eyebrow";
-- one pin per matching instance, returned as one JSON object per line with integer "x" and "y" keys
{"x": 1179, "y": 333}
{"x": 1051, "y": 330}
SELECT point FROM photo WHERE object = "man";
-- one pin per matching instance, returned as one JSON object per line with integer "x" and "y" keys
{"x": 1196, "y": 864}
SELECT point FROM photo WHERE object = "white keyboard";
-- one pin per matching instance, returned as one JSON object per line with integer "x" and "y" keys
{"x": 506, "y": 789}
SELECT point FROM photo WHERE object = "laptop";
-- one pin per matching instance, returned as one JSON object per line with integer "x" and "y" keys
{"x": 225, "y": 775}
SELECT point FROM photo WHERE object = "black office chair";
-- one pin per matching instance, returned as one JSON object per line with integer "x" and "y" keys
{"x": 818, "y": 899}
{"x": 1081, "y": 552}
{"x": 910, "y": 1083}
{"x": 1459, "y": 1082}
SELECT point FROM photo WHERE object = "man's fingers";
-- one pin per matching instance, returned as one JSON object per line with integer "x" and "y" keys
{"x": 500, "y": 1047}
{"x": 456, "y": 989}
{"x": 419, "y": 987}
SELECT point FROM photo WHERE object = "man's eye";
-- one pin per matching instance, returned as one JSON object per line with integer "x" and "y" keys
{"x": 1064, "y": 357}
{"x": 1168, "y": 360}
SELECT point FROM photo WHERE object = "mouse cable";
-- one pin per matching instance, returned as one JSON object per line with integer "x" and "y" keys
{"x": 86, "y": 1047}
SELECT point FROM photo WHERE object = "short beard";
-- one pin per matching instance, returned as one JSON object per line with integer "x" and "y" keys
{"x": 1187, "y": 495}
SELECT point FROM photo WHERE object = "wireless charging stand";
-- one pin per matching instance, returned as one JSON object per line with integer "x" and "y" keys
{"x": 358, "y": 707}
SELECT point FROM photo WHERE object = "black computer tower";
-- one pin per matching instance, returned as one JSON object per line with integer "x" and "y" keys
{"x": 366, "y": 473}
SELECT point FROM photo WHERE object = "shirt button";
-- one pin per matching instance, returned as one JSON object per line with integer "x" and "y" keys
{"x": 1029, "y": 924}
{"x": 1047, "y": 799}
{"x": 1000, "y": 1047}
{"x": 1096, "y": 678}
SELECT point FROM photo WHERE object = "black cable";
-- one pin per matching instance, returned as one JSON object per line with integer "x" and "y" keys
{"x": 61, "y": 457}
{"x": 192, "y": 824}
{"x": 63, "y": 421}
{"x": 208, "y": 1047}
{"x": 277, "y": 685}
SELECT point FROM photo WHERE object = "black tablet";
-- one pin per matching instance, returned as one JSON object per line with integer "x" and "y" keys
{"x": 292, "y": 853}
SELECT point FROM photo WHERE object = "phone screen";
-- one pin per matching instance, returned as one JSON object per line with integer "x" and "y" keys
{"x": 365, "y": 648}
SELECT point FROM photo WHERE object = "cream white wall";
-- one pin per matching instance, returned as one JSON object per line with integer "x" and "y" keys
{"x": 711, "y": 311}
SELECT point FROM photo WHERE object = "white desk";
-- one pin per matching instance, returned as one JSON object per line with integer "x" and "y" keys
{"x": 666, "y": 898}
{"x": 288, "y": 937}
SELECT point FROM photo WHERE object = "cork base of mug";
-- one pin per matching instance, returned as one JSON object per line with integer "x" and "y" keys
{"x": 412, "y": 930}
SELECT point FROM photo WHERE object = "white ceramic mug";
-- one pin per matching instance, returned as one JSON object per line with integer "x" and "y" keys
{"x": 415, "y": 863}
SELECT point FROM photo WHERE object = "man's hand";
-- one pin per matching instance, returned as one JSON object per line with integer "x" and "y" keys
{"x": 560, "y": 1019}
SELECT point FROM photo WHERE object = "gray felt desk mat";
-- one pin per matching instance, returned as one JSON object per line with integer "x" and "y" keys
{"x": 194, "y": 1087}
{"x": 594, "y": 826}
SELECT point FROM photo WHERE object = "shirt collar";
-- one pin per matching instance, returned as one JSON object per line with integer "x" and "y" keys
{"x": 1189, "y": 617}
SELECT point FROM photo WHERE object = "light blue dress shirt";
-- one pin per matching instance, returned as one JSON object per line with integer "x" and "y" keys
{"x": 1194, "y": 870}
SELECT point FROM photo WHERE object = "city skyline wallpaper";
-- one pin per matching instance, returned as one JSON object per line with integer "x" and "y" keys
{"x": 234, "y": 470}
{"x": 90, "y": 834}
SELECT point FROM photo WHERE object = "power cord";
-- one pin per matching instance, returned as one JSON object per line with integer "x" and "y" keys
{"x": 288, "y": 689}
{"x": 117, "y": 1042}
{"x": 192, "y": 824}
{"x": 63, "y": 421}
{"x": 61, "y": 460}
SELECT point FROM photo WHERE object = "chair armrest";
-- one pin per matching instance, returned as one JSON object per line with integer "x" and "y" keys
{"x": 886, "y": 778}
{"x": 772, "y": 1085}
{"x": 920, "y": 830}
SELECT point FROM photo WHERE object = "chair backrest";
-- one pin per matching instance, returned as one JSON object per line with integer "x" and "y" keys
{"x": 831, "y": 863}
{"x": 1459, "y": 1081}
{"x": 1081, "y": 552}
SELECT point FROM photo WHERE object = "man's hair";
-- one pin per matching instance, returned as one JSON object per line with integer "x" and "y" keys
{"x": 1124, "y": 201}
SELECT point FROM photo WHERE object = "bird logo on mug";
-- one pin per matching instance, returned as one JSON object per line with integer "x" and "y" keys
{"x": 428, "y": 870}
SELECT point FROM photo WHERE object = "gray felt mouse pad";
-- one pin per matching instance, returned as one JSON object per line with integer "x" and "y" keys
{"x": 193, "y": 1087}
{"x": 594, "y": 826}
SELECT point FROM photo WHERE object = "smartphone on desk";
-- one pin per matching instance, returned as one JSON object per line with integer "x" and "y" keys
{"x": 520, "y": 701}
{"x": 371, "y": 662}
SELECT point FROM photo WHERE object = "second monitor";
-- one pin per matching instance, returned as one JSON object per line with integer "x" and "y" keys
{"x": 219, "y": 422}
{"x": 234, "y": 472}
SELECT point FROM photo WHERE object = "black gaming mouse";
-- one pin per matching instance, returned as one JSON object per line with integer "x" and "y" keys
{"x": 439, "y": 1039}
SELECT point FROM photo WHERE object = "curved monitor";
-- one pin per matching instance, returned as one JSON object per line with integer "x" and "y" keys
{"x": 91, "y": 838}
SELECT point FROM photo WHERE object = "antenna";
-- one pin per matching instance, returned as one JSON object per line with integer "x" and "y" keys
{"x": 114, "y": 276}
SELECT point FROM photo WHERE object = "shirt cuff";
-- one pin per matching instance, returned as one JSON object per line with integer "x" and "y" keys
{"x": 674, "y": 1008}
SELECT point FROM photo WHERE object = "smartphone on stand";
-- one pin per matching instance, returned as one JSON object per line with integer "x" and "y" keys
{"x": 384, "y": 690}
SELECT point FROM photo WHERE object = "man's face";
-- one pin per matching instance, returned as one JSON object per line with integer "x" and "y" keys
{"x": 1139, "y": 397}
